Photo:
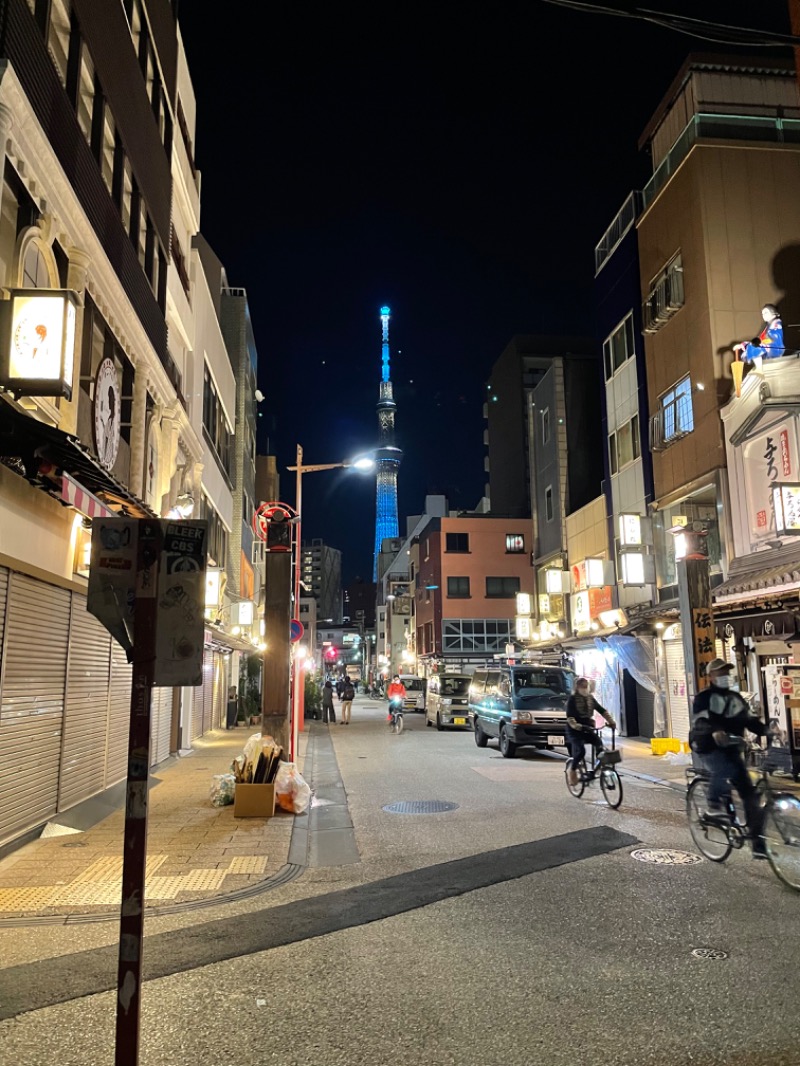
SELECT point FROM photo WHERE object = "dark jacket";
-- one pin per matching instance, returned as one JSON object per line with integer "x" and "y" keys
{"x": 327, "y": 696}
{"x": 581, "y": 711}
{"x": 348, "y": 692}
{"x": 716, "y": 709}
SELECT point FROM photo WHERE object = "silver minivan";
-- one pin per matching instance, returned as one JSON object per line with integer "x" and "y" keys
{"x": 448, "y": 701}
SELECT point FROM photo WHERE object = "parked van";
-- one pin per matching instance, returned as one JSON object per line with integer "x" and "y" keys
{"x": 521, "y": 706}
{"x": 447, "y": 700}
{"x": 415, "y": 692}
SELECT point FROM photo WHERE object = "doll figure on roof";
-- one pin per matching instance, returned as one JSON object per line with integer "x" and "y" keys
{"x": 769, "y": 343}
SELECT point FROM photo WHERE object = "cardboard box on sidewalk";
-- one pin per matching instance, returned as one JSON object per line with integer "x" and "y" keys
{"x": 254, "y": 801}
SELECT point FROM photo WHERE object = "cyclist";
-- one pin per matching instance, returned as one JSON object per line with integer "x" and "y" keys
{"x": 581, "y": 730}
{"x": 397, "y": 694}
{"x": 719, "y": 714}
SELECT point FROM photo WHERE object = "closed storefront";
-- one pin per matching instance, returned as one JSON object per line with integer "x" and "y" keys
{"x": 677, "y": 696}
{"x": 208, "y": 690}
{"x": 160, "y": 724}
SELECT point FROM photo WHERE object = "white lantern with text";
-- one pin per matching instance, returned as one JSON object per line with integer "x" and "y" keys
{"x": 37, "y": 352}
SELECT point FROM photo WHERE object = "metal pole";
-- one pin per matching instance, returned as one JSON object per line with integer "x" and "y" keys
{"x": 131, "y": 926}
{"x": 298, "y": 541}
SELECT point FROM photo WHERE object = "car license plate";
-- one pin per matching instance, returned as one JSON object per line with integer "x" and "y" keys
{"x": 555, "y": 740}
{"x": 459, "y": 721}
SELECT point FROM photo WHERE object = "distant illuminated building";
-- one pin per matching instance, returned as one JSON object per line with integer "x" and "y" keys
{"x": 387, "y": 455}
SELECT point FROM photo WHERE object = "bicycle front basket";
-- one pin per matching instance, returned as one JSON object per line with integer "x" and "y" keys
{"x": 610, "y": 758}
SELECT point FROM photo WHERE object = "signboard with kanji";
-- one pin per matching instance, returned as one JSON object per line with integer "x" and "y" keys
{"x": 703, "y": 635}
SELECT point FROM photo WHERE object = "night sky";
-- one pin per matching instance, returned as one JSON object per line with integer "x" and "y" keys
{"x": 458, "y": 164}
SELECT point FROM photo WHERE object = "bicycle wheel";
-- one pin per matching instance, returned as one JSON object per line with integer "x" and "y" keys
{"x": 399, "y": 728}
{"x": 578, "y": 789}
{"x": 611, "y": 785}
{"x": 712, "y": 840}
{"x": 782, "y": 838}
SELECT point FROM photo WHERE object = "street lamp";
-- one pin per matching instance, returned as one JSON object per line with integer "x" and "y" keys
{"x": 361, "y": 463}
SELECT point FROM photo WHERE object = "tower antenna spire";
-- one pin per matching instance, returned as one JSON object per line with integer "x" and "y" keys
{"x": 387, "y": 455}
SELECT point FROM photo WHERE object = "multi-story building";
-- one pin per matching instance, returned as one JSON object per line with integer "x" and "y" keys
{"x": 88, "y": 109}
{"x": 321, "y": 577}
{"x": 716, "y": 234}
{"x": 470, "y": 569}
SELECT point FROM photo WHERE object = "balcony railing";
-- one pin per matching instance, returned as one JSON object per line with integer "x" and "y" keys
{"x": 626, "y": 216}
{"x": 769, "y": 129}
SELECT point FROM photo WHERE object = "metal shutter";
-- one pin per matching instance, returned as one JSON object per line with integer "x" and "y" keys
{"x": 119, "y": 716}
{"x": 83, "y": 744}
{"x": 3, "y": 598}
{"x": 32, "y": 702}
{"x": 677, "y": 697}
{"x": 160, "y": 724}
{"x": 219, "y": 693}
{"x": 209, "y": 664}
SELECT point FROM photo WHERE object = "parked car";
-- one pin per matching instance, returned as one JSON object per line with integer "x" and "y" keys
{"x": 522, "y": 706}
{"x": 415, "y": 692}
{"x": 447, "y": 700}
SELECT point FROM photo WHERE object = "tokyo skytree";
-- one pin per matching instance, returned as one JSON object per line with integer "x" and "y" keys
{"x": 387, "y": 455}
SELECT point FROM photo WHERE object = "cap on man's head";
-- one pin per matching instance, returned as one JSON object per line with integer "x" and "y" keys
{"x": 717, "y": 666}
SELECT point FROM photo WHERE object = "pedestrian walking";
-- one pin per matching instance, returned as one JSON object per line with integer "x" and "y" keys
{"x": 327, "y": 703}
{"x": 348, "y": 695}
{"x": 339, "y": 687}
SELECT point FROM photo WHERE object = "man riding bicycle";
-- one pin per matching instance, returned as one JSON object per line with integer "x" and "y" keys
{"x": 581, "y": 730}
{"x": 719, "y": 717}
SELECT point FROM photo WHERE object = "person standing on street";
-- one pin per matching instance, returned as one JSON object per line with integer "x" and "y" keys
{"x": 327, "y": 703}
{"x": 348, "y": 695}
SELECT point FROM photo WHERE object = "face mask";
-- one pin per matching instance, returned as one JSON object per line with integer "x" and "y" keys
{"x": 723, "y": 681}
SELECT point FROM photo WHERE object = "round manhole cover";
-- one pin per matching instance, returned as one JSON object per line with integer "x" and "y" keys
{"x": 709, "y": 953}
{"x": 665, "y": 857}
{"x": 420, "y": 807}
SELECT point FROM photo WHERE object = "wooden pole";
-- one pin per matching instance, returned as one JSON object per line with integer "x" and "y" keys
{"x": 275, "y": 708}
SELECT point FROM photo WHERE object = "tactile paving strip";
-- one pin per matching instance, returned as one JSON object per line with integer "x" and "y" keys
{"x": 202, "y": 880}
{"x": 19, "y": 899}
{"x": 247, "y": 864}
{"x": 103, "y": 892}
{"x": 162, "y": 887}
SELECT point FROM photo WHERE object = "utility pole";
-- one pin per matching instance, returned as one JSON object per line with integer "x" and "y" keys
{"x": 275, "y": 714}
{"x": 794, "y": 19}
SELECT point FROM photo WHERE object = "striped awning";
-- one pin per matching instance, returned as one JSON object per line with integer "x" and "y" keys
{"x": 73, "y": 493}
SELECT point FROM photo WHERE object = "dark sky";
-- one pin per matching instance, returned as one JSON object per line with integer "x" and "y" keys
{"x": 456, "y": 163}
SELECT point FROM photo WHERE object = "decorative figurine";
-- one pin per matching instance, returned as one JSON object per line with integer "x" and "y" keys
{"x": 769, "y": 344}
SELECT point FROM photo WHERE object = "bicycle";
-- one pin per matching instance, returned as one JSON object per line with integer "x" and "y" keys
{"x": 375, "y": 693}
{"x": 602, "y": 769}
{"x": 396, "y": 717}
{"x": 717, "y": 835}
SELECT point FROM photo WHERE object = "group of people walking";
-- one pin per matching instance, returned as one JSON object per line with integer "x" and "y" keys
{"x": 346, "y": 692}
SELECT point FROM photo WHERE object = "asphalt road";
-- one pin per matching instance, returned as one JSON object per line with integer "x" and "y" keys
{"x": 514, "y": 929}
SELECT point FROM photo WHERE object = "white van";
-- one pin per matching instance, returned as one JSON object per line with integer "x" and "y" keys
{"x": 447, "y": 702}
{"x": 415, "y": 692}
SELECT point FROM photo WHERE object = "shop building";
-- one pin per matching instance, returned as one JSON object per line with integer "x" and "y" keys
{"x": 470, "y": 570}
{"x": 718, "y": 219}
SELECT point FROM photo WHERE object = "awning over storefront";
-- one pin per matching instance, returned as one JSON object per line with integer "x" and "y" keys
{"x": 42, "y": 454}
{"x": 225, "y": 642}
{"x": 755, "y": 625}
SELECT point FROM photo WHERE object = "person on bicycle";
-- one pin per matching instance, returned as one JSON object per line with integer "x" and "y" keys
{"x": 397, "y": 694}
{"x": 581, "y": 730}
{"x": 719, "y": 714}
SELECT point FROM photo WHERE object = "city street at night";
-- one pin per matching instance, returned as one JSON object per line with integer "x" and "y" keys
{"x": 516, "y": 927}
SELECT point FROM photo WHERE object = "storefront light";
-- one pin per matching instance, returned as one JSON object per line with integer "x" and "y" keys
{"x": 37, "y": 349}
{"x": 522, "y": 627}
{"x": 523, "y": 603}
{"x": 786, "y": 505}
{"x": 632, "y": 565}
{"x": 630, "y": 530}
{"x": 557, "y": 582}
{"x": 617, "y": 617}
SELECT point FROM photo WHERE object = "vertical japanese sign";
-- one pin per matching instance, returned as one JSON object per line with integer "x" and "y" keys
{"x": 703, "y": 636}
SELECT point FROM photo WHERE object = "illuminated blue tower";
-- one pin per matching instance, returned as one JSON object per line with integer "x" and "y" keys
{"x": 387, "y": 454}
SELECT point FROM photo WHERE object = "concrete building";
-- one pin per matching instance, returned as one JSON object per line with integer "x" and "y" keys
{"x": 321, "y": 576}
{"x": 717, "y": 239}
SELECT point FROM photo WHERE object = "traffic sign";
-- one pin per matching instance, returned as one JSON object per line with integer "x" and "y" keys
{"x": 296, "y": 630}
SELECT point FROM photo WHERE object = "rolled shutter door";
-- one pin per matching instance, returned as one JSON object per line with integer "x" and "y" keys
{"x": 83, "y": 745}
{"x": 32, "y": 702}
{"x": 676, "y": 689}
{"x": 160, "y": 724}
{"x": 209, "y": 664}
{"x": 197, "y": 712}
{"x": 119, "y": 715}
{"x": 3, "y": 599}
{"x": 219, "y": 685}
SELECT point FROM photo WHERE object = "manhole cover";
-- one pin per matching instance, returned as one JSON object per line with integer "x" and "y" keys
{"x": 420, "y": 807}
{"x": 666, "y": 857}
{"x": 709, "y": 953}
{"x": 75, "y": 844}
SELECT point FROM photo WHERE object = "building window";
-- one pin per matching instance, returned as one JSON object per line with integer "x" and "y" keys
{"x": 666, "y": 296}
{"x": 133, "y": 11}
{"x": 546, "y": 425}
{"x": 548, "y": 503}
{"x": 215, "y": 426}
{"x": 217, "y": 533}
{"x": 676, "y": 410}
{"x": 458, "y": 588}
{"x": 35, "y": 274}
{"x": 58, "y": 35}
{"x": 107, "y": 150}
{"x": 85, "y": 100}
{"x": 127, "y": 194}
{"x": 501, "y": 588}
{"x": 476, "y": 634}
{"x": 618, "y": 348}
{"x": 624, "y": 445}
{"x": 613, "y": 465}
{"x": 457, "y": 542}
{"x": 515, "y": 543}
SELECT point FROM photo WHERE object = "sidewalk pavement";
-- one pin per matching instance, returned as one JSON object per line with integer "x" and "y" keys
{"x": 194, "y": 851}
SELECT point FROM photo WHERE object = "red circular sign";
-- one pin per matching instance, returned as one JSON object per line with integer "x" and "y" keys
{"x": 267, "y": 511}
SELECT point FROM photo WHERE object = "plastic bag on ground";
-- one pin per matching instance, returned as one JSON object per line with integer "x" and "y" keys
{"x": 222, "y": 790}
{"x": 292, "y": 792}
